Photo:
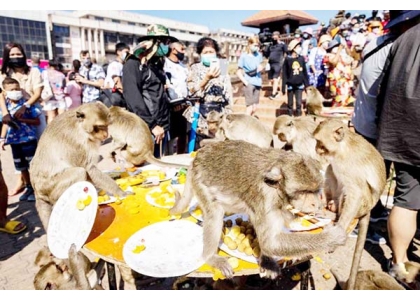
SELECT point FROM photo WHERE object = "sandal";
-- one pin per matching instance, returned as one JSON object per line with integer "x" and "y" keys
{"x": 10, "y": 227}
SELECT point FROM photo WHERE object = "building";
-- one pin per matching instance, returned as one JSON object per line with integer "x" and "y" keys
{"x": 232, "y": 42}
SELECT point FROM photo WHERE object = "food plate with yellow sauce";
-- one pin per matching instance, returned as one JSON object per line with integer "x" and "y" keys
{"x": 72, "y": 218}
{"x": 104, "y": 198}
{"x": 165, "y": 249}
{"x": 163, "y": 196}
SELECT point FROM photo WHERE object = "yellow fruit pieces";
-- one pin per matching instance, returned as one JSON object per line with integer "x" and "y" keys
{"x": 327, "y": 276}
{"x": 130, "y": 181}
{"x": 241, "y": 238}
{"x": 296, "y": 277}
{"x": 233, "y": 262}
{"x": 154, "y": 173}
{"x": 305, "y": 223}
{"x": 139, "y": 249}
{"x": 193, "y": 154}
{"x": 82, "y": 203}
{"x": 101, "y": 193}
{"x": 182, "y": 179}
{"x": 102, "y": 199}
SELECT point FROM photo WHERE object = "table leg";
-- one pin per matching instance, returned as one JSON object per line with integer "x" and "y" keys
{"x": 306, "y": 275}
{"x": 112, "y": 280}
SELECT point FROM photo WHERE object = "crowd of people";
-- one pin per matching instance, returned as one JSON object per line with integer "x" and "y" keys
{"x": 346, "y": 61}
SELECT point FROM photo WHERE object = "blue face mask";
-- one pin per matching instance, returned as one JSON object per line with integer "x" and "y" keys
{"x": 162, "y": 50}
{"x": 206, "y": 59}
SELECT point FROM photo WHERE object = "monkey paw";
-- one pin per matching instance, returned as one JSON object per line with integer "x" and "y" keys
{"x": 337, "y": 236}
{"x": 269, "y": 268}
{"x": 222, "y": 264}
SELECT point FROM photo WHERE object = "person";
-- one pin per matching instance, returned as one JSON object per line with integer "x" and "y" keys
{"x": 35, "y": 63}
{"x": 399, "y": 115}
{"x": 176, "y": 86}
{"x": 295, "y": 77}
{"x": 91, "y": 76}
{"x": 308, "y": 43}
{"x": 144, "y": 80}
{"x": 30, "y": 80}
{"x": 375, "y": 29}
{"x": 20, "y": 134}
{"x": 275, "y": 54}
{"x": 385, "y": 20}
{"x": 73, "y": 89}
{"x": 112, "y": 93}
{"x": 249, "y": 72}
{"x": 316, "y": 71}
{"x": 56, "y": 81}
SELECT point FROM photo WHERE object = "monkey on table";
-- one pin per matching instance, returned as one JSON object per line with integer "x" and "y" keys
{"x": 238, "y": 177}
{"x": 356, "y": 179}
{"x": 68, "y": 152}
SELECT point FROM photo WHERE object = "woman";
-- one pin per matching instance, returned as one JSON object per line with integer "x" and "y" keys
{"x": 316, "y": 70}
{"x": 249, "y": 72}
{"x": 30, "y": 80}
{"x": 73, "y": 90}
{"x": 56, "y": 80}
{"x": 207, "y": 82}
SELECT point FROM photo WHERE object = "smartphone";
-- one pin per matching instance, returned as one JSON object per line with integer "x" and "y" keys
{"x": 214, "y": 63}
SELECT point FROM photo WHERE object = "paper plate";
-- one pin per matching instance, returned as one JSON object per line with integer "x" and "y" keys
{"x": 297, "y": 225}
{"x": 69, "y": 225}
{"x": 172, "y": 248}
{"x": 169, "y": 204}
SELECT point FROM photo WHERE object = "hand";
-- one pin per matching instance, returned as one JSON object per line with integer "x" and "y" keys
{"x": 246, "y": 83}
{"x": 6, "y": 119}
{"x": 159, "y": 134}
{"x": 260, "y": 68}
{"x": 213, "y": 72}
{"x": 80, "y": 79}
{"x": 2, "y": 144}
{"x": 20, "y": 112}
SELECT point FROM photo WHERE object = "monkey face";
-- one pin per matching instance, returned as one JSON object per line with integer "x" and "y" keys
{"x": 329, "y": 136}
{"x": 308, "y": 202}
{"x": 284, "y": 128}
{"x": 51, "y": 276}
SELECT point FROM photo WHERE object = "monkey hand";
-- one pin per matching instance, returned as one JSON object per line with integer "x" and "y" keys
{"x": 269, "y": 268}
{"x": 336, "y": 236}
{"x": 222, "y": 264}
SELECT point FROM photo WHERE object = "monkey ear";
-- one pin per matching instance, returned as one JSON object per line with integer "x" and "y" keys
{"x": 339, "y": 134}
{"x": 273, "y": 177}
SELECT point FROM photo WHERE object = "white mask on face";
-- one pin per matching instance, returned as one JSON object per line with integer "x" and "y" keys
{"x": 375, "y": 30}
{"x": 14, "y": 95}
{"x": 325, "y": 45}
{"x": 298, "y": 50}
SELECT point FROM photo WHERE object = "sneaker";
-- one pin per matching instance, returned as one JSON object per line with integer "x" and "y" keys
{"x": 382, "y": 217}
{"x": 275, "y": 96}
{"x": 354, "y": 233}
{"x": 28, "y": 195}
{"x": 375, "y": 238}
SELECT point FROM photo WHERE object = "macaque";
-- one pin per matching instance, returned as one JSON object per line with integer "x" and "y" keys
{"x": 132, "y": 136}
{"x": 371, "y": 280}
{"x": 238, "y": 177}
{"x": 68, "y": 152}
{"x": 235, "y": 126}
{"x": 76, "y": 273}
{"x": 358, "y": 173}
{"x": 314, "y": 101}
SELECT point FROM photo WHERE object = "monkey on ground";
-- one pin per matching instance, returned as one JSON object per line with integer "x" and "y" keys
{"x": 371, "y": 280}
{"x": 235, "y": 126}
{"x": 356, "y": 179}
{"x": 314, "y": 101}
{"x": 74, "y": 273}
{"x": 68, "y": 152}
{"x": 238, "y": 177}
{"x": 132, "y": 136}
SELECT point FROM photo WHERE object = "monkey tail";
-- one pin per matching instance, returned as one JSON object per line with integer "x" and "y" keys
{"x": 182, "y": 203}
{"x": 152, "y": 160}
{"x": 77, "y": 269}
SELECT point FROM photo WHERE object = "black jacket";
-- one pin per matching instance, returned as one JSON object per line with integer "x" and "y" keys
{"x": 143, "y": 87}
{"x": 294, "y": 72}
{"x": 275, "y": 53}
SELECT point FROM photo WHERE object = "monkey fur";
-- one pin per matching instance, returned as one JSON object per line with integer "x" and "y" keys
{"x": 238, "y": 177}
{"x": 314, "y": 101}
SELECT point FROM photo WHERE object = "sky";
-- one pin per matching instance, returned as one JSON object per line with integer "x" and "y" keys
{"x": 228, "y": 19}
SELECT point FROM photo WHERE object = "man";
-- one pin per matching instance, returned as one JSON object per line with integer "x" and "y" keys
{"x": 399, "y": 131}
{"x": 113, "y": 91}
{"x": 176, "y": 86}
{"x": 144, "y": 80}
{"x": 275, "y": 54}
{"x": 91, "y": 76}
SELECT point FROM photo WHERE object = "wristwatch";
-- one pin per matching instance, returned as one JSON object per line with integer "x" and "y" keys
{"x": 27, "y": 105}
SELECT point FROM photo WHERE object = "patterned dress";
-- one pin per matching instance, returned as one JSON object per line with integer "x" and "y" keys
{"x": 340, "y": 82}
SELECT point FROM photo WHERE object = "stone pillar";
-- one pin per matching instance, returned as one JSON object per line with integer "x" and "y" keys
{"x": 90, "y": 40}
{"x": 83, "y": 38}
{"x": 101, "y": 41}
{"x": 95, "y": 41}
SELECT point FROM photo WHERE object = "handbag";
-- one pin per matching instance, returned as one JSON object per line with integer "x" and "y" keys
{"x": 47, "y": 92}
{"x": 252, "y": 73}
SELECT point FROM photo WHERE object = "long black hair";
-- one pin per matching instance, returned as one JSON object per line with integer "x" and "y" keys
{"x": 6, "y": 57}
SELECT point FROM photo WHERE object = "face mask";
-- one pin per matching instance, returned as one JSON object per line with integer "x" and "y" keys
{"x": 14, "y": 95}
{"x": 356, "y": 30}
{"x": 206, "y": 59}
{"x": 254, "y": 49}
{"x": 162, "y": 50}
{"x": 87, "y": 62}
{"x": 298, "y": 51}
{"x": 17, "y": 62}
{"x": 297, "y": 36}
{"x": 123, "y": 55}
{"x": 180, "y": 56}
{"x": 375, "y": 30}
{"x": 325, "y": 45}
{"x": 305, "y": 36}
{"x": 345, "y": 33}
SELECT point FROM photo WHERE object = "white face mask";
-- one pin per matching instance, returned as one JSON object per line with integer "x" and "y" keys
{"x": 123, "y": 55}
{"x": 298, "y": 50}
{"x": 376, "y": 30}
{"x": 14, "y": 95}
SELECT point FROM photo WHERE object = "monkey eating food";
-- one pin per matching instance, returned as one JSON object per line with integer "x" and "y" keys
{"x": 238, "y": 177}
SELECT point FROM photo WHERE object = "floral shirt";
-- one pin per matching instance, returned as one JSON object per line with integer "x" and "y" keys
{"x": 25, "y": 132}
{"x": 217, "y": 89}
{"x": 91, "y": 93}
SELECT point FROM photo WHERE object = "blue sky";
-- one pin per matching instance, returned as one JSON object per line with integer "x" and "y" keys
{"x": 230, "y": 19}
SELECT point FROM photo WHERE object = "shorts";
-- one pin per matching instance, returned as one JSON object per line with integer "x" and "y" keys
{"x": 407, "y": 191}
{"x": 275, "y": 70}
{"x": 23, "y": 154}
{"x": 252, "y": 94}
{"x": 54, "y": 104}
{"x": 178, "y": 123}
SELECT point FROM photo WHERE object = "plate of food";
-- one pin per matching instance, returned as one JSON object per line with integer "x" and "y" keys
{"x": 105, "y": 198}
{"x": 72, "y": 218}
{"x": 196, "y": 212}
{"x": 163, "y": 196}
{"x": 305, "y": 222}
{"x": 165, "y": 249}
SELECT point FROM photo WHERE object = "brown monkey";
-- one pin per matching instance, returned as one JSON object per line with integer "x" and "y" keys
{"x": 67, "y": 153}
{"x": 235, "y": 126}
{"x": 238, "y": 177}
{"x": 371, "y": 280}
{"x": 55, "y": 274}
{"x": 314, "y": 101}
{"x": 132, "y": 136}
{"x": 358, "y": 172}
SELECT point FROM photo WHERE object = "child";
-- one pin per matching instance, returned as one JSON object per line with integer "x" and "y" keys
{"x": 295, "y": 77}
{"x": 21, "y": 133}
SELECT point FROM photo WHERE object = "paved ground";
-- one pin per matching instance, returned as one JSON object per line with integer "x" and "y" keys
{"x": 17, "y": 252}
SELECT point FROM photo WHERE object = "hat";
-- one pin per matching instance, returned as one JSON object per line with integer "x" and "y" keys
{"x": 399, "y": 16}
{"x": 293, "y": 44}
{"x": 334, "y": 31}
{"x": 332, "y": 44}
{"x": 309, "y": 30}
{"x": 298, "y": 31}
{"x": 324, "y": 38}
{"x": 157, "y": 31}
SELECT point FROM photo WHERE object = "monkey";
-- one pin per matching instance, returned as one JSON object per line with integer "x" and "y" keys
{"x": 358, "y": 172}
{"x": 314, "y": 101}
{"x": 236, "y": 126}
{"x": 68, "y": 152}
{"x": 132, "y": 136}
{"x": 239, "y": 177}
{"x": 371, "y": 280}
{"x": 76, "y": 273}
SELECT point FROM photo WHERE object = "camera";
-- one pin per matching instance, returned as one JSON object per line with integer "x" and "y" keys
{"x": 265, "y": 36}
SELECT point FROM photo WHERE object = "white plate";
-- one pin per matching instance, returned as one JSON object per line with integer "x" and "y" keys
{"x": 67, "y": 223}
{"x": 296, "y": 225}
{"x": 173, "y": 248}
{"x": 153, "y": 202}
{"x": 112, "y": 199}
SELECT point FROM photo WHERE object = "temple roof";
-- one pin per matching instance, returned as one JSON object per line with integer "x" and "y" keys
{"x": 269, "y": 16}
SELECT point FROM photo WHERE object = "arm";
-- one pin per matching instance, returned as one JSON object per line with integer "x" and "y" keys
{"x": 4, "y": 110}
{"x": 311, "y": 60}
{"x": 305, "y": 73}
{"x": 285, "y": 75}
{"x": 3, "y": 136}
{"x": 35, "y": 121}
{"x": 240, "y": 72}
